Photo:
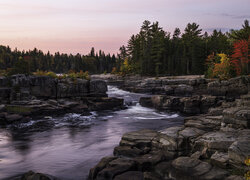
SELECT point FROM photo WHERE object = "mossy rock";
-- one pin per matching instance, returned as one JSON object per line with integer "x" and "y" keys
{"x": 18, "y": 109}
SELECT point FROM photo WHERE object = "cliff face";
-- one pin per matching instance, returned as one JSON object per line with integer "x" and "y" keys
{"x": 22, "y": 97}
{"x": 21, "y": 87}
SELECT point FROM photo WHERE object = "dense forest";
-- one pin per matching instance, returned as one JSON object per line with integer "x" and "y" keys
{"x": 152, "y": 51}
{"x": 34, "y": 60}
{"x": 155, "y": 52}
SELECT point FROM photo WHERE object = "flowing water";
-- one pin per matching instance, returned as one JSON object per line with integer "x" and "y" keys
{"x": 68, "y": 146}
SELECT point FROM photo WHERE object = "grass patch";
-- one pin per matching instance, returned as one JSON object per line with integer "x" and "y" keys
{"x": 18, "y": 109}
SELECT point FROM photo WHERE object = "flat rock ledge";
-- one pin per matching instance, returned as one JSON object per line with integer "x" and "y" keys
{"x": 207, "y": 147}
{"x": 24, "y": 97}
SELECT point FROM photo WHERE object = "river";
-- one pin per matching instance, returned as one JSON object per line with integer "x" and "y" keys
{"x": 68, "y": 146}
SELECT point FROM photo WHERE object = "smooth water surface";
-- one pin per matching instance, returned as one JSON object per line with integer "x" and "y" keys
{"x": 68, "y": 146}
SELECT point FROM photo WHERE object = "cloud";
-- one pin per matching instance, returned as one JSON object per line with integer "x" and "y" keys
{"x": 235, "y": 16}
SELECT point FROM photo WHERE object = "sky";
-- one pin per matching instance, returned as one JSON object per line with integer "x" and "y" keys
{"x": 74, "y": 26}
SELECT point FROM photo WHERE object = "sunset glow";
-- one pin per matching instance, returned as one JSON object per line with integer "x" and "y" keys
{"x": 74, "y": 26}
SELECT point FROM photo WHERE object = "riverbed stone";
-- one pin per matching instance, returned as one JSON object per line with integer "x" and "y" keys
{"x": 191, "y": 105}
{"x": 147, "y": 161}
{"x": 131, "y": 175}
{"x": 116, "y": 167}
{"x": 215, "y": 141}
{"x": 220, "y": 159}
{"x": 100, "y": 166}
{"x": 235, "y": 177}
{"x": 140, "y": 139}
{"x": 238, "y": 116}
{"x": 197, "y": 169}
{"x": 146, "y": 102}
{"x": 239, "y": 151}
{"x": 127, "y": 151}
{"x": 37, "y": 176}
{"x": 170, "y": 142}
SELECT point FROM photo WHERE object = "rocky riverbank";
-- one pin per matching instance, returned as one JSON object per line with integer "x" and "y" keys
{"x": 24, "y": 97}
{"x": 214, "y": 144}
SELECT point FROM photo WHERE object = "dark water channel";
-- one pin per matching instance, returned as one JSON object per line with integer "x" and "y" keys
{"x": 68, "y": 146}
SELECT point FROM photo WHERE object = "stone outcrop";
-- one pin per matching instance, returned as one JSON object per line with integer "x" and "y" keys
{"x": 21, "y": 87}
{"x": 192, "y": 100}
{"x": 24, "y": 96}
{"x": 188, "y": 105}
{"x": 208, "y": 146}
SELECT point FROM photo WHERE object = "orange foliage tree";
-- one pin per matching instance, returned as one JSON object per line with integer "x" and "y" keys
{"x": 241, "y": 56}
{"x": 223, "y": 69}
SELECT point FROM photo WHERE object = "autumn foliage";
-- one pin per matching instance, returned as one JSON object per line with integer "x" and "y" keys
{"x": 241, "y": 56}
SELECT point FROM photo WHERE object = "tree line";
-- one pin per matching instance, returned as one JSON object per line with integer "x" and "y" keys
{"x": 36, "y": 60}
{"x": 152, "y": 52}
{"x": 155, "y": 52}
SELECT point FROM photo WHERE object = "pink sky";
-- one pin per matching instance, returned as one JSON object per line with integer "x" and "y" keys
{"x": 74, "y": 26}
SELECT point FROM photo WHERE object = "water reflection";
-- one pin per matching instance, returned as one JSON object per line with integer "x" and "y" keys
{"x": 68, "y": 146}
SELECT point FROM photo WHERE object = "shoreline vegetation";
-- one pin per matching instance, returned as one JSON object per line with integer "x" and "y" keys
{"x": 151, "y": 52}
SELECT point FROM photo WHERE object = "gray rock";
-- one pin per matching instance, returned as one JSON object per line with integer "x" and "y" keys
{"x": 191, "y": 105}
{"x": 147, "y": 161}
{"x": 234, "y": 177}
{"x": 185, "y": 164}
{"x": 100, "y": 166}
{"x": 197, "y": 169}
{"x": 37, "y": 176}
{"x": 169, "y": 141}
{"x": 215, "y": 141}
{"x": 183, "y": 90}
{"x": 220, "y": 159}
{"x": 239, "y": 151}
{"x": 98, "y": 87}
{"x": 127, "y": 151}
{"x": 131, "y": 175}
{"x": 238, "y": 116}
{"x": 139, "y": 139}
{"x": 116, "y": 167}
{"x": 146, "y": 102}
{"x": 207, "y": 102}
{"x": 215, "y": 174}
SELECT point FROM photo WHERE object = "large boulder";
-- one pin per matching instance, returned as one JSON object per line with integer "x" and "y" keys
{"x": 131, "y": 175}
{"x": 146, "y": 102}
{"x": 239, "y": 151}
{"x": 98, "y": 87}
{"x": 196, "y": 169}
{"x": 35, "y": 176}
{"x": 215, "y": 141}
{"x": 100, "y": 166}
{"x": 220, "y": 159}
{"x": 238, "y": 116}
{"x": 170, "y": 142}
{"x": 116, "y": 167}
{"x": 191, "y": 105}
